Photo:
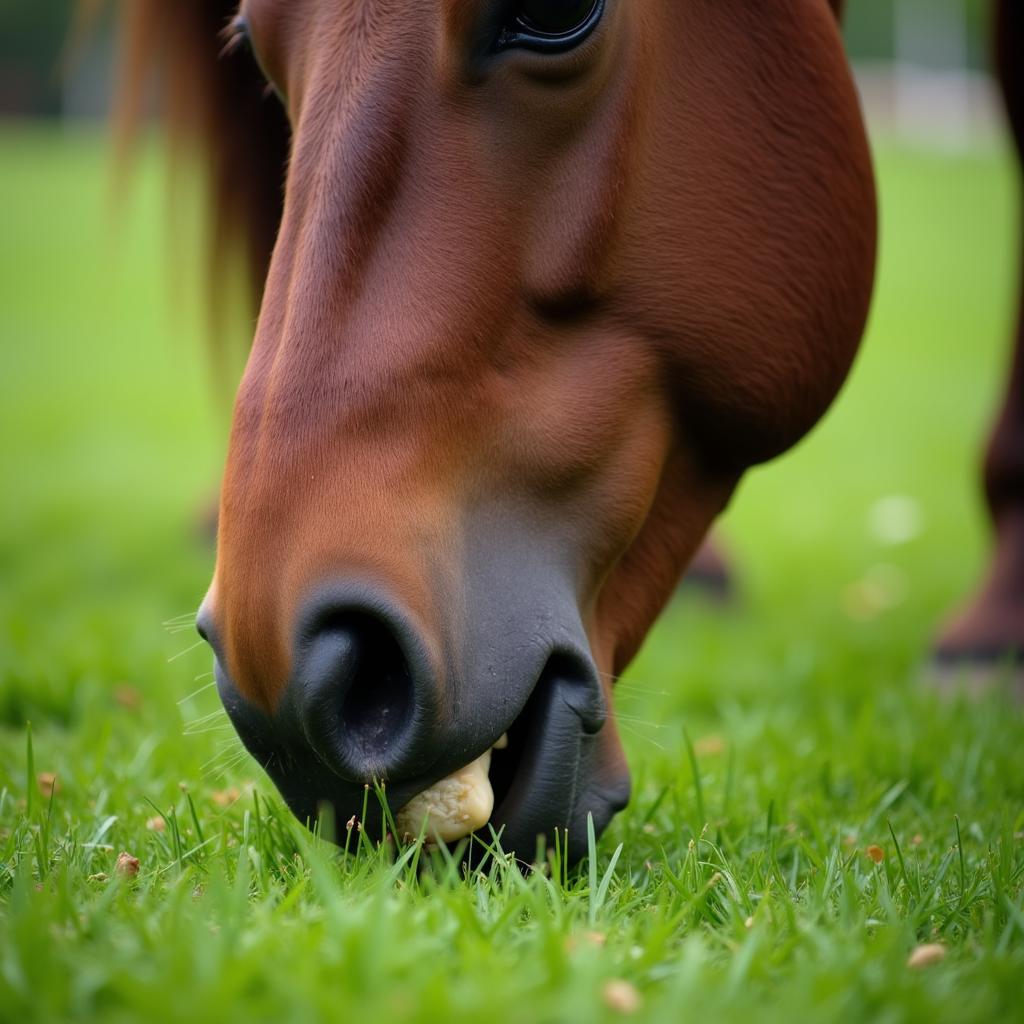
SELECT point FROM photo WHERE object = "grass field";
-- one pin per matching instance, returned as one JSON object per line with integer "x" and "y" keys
{"x": 743, "y": 889}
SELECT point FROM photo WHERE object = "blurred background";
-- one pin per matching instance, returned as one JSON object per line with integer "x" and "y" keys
{"x": 849, "y": 551}
{"x": 812, "y": 736}
{"x": 922, "y": 64}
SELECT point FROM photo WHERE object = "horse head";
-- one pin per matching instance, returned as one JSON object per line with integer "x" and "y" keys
{"x": 550, "y": 275}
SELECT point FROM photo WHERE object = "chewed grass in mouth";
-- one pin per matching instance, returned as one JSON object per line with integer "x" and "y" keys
{"x": 465, "y": 801}
{"x": 454, "y": 807}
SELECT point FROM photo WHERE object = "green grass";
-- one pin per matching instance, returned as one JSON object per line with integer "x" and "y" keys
{"x": 742, "y": 890}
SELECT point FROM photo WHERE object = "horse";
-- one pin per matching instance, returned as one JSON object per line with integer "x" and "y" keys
{"x": 538, "y": 281}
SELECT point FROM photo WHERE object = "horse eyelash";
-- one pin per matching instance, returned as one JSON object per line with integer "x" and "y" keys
{"x": 236, "y": 36}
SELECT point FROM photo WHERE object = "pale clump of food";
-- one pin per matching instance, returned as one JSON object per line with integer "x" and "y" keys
{"x": 455, "y": 806}
{"x": 926, "y": 955}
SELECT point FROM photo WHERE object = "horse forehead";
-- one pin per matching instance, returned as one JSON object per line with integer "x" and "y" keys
{"x": 362, "y": 25}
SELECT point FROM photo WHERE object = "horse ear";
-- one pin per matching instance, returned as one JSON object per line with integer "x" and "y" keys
{"x": 215, "y": 105}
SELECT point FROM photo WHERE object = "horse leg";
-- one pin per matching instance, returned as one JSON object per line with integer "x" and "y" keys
{"x": 710, "y": 572}
{"x": 990, "y": 629}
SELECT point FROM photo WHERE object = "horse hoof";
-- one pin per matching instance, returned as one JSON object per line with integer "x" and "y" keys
{"x": 976, "y": 679}
{"x": 981, "y": 649}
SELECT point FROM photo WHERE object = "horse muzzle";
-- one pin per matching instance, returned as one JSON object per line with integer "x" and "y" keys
{"x": 506, "y": 735}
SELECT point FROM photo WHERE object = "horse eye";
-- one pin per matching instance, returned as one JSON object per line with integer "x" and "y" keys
{"x": 552, "y": 25}
{"x": 554, "y": 17}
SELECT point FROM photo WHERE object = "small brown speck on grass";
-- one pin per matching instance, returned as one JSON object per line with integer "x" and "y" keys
{"x": 48, "y": 783}
{"x": 875, "y": 853}
{"x": 709, "y": 746}
{"x": 127, "y": 697}
{"x": 925, "y": 955}
{"x": 591, "y": 939}
{"x": 156, "y": 824}
{"x": 127, "y": 866}
{"x": 226, "y": 797}
{"x": 621, "y": 996}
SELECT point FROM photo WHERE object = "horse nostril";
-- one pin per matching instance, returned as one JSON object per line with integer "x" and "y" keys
{"x": 378, "y": 698}
{"x": 356, "y": 695}
{"x": 204, "y": 626}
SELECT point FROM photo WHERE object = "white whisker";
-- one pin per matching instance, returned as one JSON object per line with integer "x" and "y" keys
{"x": 633, "y": 720}
{"x": 636, "y": 732}
{"x": 213, "y": 722}
{"x": 181, "y": 654}
{"x": 174, "y": 619}
{"x": 632, "y": 688}
{"x": 195, "y": 693}
{"x": 211, "y": 716}
{"x": 207, "y": 729}
{"x": 232, "y": 762}
{"x": 228, "y": 751}
{"x": 626, "y": 683}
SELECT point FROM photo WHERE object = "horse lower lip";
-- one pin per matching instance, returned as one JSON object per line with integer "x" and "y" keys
{"x": 530, "y": 787}
{"x": 542, "y": 767}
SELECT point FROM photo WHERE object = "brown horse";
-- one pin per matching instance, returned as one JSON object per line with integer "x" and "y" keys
{"x": 540, "y": 279}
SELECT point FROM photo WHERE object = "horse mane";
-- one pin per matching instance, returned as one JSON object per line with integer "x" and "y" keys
{"x": 216, "y": 107}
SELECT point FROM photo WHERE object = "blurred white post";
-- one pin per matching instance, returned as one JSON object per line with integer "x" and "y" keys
{"x": 87, "y": 81}
{"x": 933, "y": 86}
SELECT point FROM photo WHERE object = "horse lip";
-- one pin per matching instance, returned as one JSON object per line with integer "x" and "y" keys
{"x": 543, "y": 792}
